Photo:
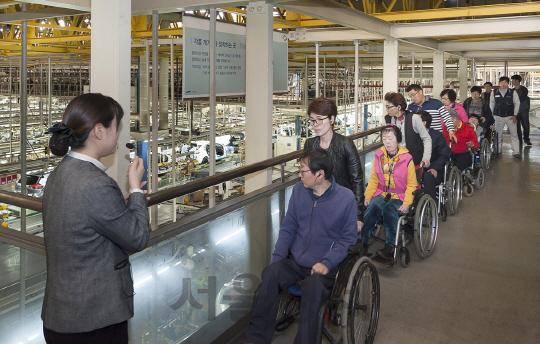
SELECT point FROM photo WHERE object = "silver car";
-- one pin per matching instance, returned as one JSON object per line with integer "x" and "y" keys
{"x": 35, "y": 184}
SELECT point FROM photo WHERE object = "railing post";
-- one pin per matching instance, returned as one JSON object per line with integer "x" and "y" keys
{"x": 282, "y": 172}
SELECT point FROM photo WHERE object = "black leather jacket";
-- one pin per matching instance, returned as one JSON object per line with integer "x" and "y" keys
{"x": 347, "y": 166}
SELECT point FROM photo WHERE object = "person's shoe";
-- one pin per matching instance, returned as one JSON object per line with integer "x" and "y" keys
{"x": 528, "y": 143}
{"x": 517, "y": 156}
{"x": 387, "y": 252}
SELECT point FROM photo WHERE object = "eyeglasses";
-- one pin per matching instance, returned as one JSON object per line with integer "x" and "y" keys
{"x": 317, "y": 121}
{"x": 412, "y": 95}
{"x": 302, "y": 172}
{"x": 445, "y": 98}
{"x": 389, "y": 107}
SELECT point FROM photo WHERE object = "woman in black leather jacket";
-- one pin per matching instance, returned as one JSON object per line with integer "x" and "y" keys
{"x": 348, "y": 170}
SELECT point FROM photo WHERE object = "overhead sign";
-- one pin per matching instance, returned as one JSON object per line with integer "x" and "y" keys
{"x": 230, "y": 59}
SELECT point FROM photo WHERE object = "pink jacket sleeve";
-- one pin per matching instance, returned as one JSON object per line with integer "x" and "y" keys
{"x": 461, "y": 112}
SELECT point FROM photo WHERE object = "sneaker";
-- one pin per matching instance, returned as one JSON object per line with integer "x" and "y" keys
{"x": 517, "y": 156}
{"x": 528, "y": 143}
{"x": 387, "y": 252}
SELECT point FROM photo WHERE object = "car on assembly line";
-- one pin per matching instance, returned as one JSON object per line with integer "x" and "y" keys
{"x": 35, "y": 184}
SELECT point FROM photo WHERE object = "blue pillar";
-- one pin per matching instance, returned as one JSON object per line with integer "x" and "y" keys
{"x": 365, "y": 116}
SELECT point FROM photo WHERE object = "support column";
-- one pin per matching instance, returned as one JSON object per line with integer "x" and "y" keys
{"x": 356, "y": 90}
{"x": 463, "y": 79}
{"x": 317, "y": 45}
{"x": 164, "y": 93}
{"x": 390, "y": 65}
{"x": 413, "y": 57}
{"x": 438, "y": 73}
{"x": 259, "y": 86}
{"x": 143, "y": 94}
{"x": 110, "y": 71}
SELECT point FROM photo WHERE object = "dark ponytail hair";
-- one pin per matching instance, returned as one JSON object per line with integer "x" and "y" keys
{"x": 81, "y": 116}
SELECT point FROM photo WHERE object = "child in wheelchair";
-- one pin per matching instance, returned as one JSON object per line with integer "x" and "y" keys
{"x": 465, "y": 139}
{"x": 390, "y": 189}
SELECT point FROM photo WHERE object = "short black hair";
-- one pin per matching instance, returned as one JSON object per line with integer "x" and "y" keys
{"x": 318, "y": 159}
{"x": 393, "y": 129}
{"x": 488, "y": 83}
{"x": 477, "y": 117}
{"x": 476, "y": 89}
{"x": 413, "y": 87}
{"x": 504, "y": 78}
{"x": 426, "y": 117}
{"x": 516, "y": 77}
{"x": 451, "y": 94}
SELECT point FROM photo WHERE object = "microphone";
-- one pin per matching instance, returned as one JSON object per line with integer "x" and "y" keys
{"x": 130, "y": 145}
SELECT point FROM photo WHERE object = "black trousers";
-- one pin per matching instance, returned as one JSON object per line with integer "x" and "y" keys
{"x": 278, "y": 276}
{"x": 462, "y": 160}
{"x": 523, "y": 120}
{"x": 113, "y": 334}
{"x": 431, "y": 182}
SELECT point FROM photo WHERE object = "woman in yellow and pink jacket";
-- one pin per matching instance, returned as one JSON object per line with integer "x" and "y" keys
{"x": 390, "y": 189}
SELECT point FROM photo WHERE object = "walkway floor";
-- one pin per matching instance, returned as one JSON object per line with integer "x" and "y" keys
{"x": 482, "y": 283}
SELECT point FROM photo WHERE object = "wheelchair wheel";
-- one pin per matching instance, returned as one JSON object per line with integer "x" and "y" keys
{"x": 288, "y": 310}
{"x": 485, "y": 155}
{"x": 480, "y": 179}
{"x": 360, "y": 313}
{"x": 426, "y": 225}
{"x": 468, "y": 190}
{"x": 455, "y": 192}
{"x": 322, "y": 320}
{"x": 444, "y": 213}
{"x": 404, "y": 257}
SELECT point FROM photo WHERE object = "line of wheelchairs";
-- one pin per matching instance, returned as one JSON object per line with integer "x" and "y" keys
{"x": 350, "y": 315}
{"x": 420, "y": 225}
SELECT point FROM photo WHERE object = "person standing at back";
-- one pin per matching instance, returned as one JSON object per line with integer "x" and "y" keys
{"x": 448, "y": 98}
{"x": 435, "y": 108}
{"x": 90, "y": 228}
{"x": 524, "y": 107}
{"x": 504, "y": 104}
{"x": 488, "y": 87}
{"x": 347, "y": 169}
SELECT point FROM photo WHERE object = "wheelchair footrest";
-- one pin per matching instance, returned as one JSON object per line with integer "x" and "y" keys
{"x": 388, "y": 263}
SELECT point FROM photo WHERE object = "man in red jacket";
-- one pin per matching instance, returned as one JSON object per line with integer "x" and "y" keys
{"x": 465, "y": 138}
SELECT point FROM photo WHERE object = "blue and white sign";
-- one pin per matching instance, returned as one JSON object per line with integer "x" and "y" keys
{"x": 230, "y": 59}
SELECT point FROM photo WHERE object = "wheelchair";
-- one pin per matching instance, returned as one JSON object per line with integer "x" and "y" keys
{"x": 351, "y": 314}
{"x": 484, "y": 154}
{"x": 449, "y": 192}
{"x": 420, "y": 225}
{"x": 474, "y": 177}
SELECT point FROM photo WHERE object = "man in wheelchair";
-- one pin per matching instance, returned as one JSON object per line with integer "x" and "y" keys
{"x": 390, "y": 189}
{"x": 440, "y": 154}
{"x": 316, "y": 232}
{"x": 465, "y": 139}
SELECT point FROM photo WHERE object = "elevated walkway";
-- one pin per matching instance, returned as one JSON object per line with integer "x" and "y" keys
{"x": 195, "y": 281}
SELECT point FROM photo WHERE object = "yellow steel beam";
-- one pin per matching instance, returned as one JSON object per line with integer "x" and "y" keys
{"x": 161, "y": 32}
{"x": 458, "y": 12}
{"x": 17, "y": 47}
{"x": 439, "y": 2}
{"x": 389, "y": 9}
{"x": 47, "y": 40}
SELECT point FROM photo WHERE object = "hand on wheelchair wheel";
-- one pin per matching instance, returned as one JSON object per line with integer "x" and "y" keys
{"x": 403, "y": 209}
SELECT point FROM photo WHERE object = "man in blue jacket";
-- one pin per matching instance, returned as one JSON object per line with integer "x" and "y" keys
{"x": 319, "y": 227}
{"x": 440, "y": 154}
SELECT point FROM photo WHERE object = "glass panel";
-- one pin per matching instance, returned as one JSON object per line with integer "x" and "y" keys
{"x": 205, "y": 277}
{"x": 12, "y": 267}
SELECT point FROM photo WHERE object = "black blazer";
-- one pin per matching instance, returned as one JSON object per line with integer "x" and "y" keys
{"x": 348, "y": 170}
